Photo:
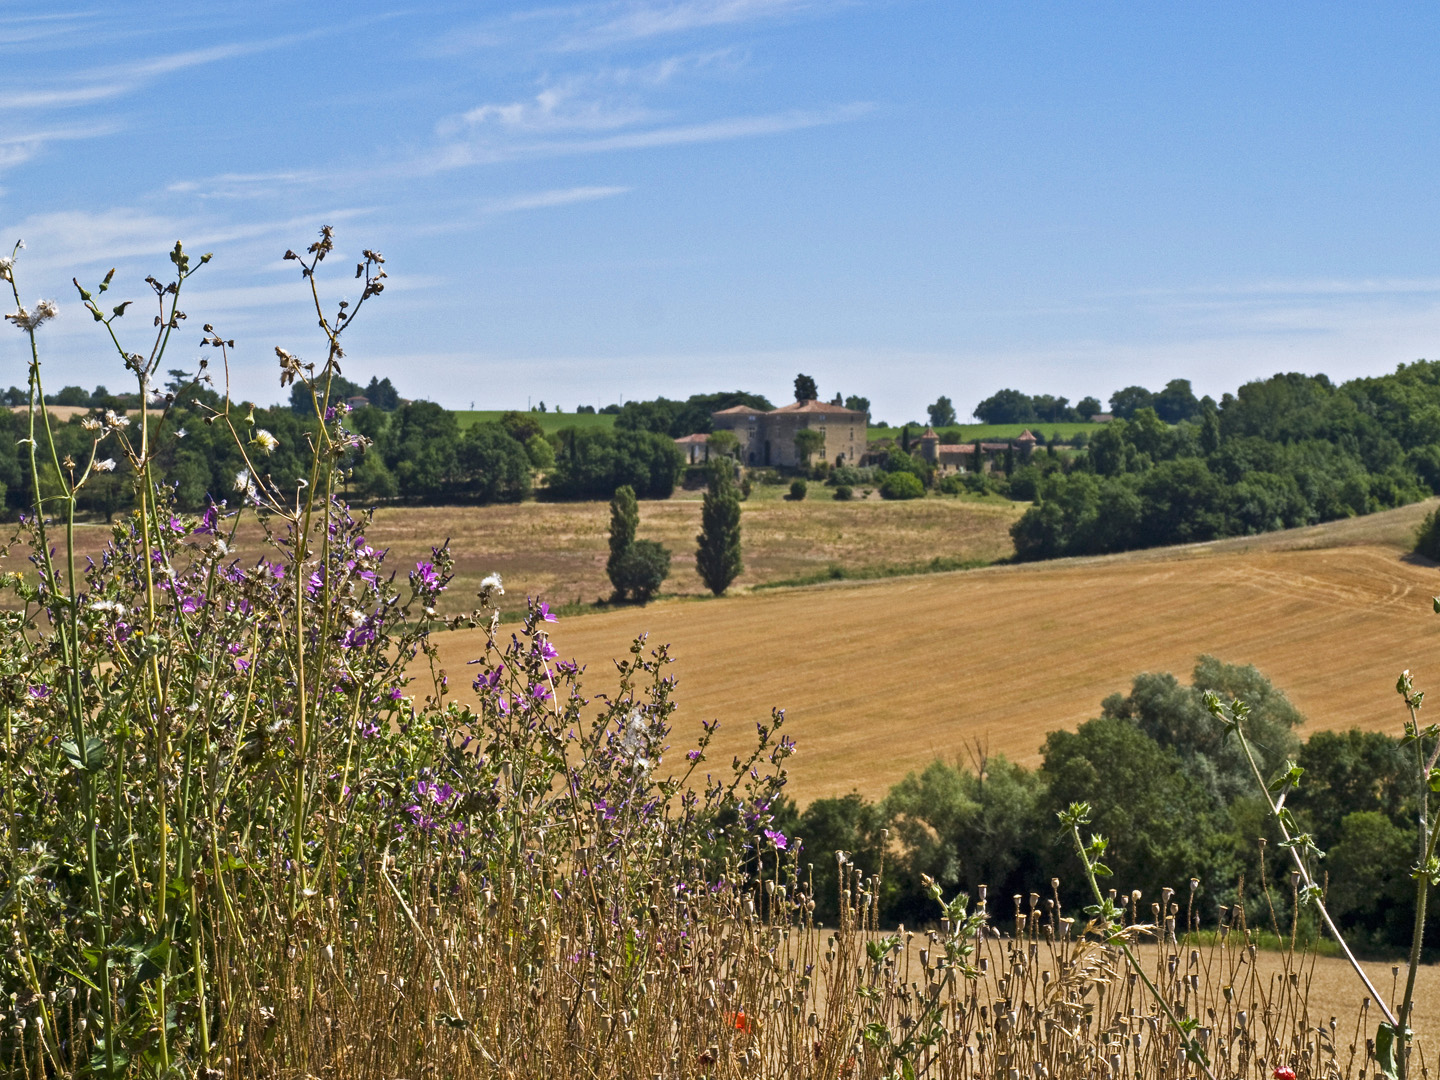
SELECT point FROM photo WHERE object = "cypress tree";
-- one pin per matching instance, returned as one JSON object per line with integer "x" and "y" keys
{"x": 624, "y": 521}
{"x": 717, "y": 556}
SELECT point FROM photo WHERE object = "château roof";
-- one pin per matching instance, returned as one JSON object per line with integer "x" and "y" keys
{"x": 819, "y": 407}
{"x": 1025, "y": 436}
{"x": 736, "y": 410}
{"x": 698, "y": 437}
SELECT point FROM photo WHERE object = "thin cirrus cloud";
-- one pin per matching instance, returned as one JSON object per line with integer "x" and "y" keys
{"x": 483, "y": 151}
{"x": 542, "y": 200}
{"x": 638, "y": 21}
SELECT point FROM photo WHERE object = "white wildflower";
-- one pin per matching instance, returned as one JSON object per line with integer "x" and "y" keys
{"x": 90, "y": 424}
{"x": 492, "y": 583}
{"x": 242, "y": 481}
{"x": 181, "y": 433}
{"x": 115, "y": 420}
{"x": 632, "y": 739}
{"x": 265, "y": 440}
{"x": 105, "y": 465}
{"x": 221, "y": 548}
{"x": 7, "y": 267}
{"x": 25, "y": 319}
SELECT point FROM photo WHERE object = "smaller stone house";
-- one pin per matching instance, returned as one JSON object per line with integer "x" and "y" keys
{"x": 973, "y": 456}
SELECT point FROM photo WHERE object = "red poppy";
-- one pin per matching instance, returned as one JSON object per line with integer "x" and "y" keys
{"x": 1284, "y": 1072}
{"x": 742, "y": 1022}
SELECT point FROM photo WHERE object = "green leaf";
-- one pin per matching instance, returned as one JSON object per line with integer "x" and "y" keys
{"x": 1385, "y": 1050}
{"x": 91, "y": 760}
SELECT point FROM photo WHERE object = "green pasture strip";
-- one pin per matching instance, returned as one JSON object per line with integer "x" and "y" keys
{"x": 940, "y": 564}
{"x": 992, "y": 432}
{"x": 549, "y": 421}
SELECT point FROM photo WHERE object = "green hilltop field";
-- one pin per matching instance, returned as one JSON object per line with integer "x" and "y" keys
{"x": 556, "y": 421}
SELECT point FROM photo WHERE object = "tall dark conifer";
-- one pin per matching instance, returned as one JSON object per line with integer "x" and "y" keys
{"x": 624, "y": 522}
{"x": 717, "y": 556}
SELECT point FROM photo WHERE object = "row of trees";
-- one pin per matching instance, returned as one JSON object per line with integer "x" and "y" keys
{"x": 637, "y": 568}
{"x": 1173, "y": 793}
{"x": 1287, "y": 451}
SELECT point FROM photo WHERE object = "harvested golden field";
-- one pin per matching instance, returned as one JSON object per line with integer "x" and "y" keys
{"x": 881, "y": 677}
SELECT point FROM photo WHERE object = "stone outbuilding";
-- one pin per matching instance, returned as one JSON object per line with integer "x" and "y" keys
{"x": 696, "y": 448}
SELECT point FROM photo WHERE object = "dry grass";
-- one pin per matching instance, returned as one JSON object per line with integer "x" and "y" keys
{"x": 882, "y": 677}
{"x": 558, "y": 550}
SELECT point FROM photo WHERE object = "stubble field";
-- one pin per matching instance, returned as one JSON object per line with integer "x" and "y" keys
{"x": 879, "y": 678}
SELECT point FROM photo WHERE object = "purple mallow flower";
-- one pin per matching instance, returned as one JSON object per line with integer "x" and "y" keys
{"x": 544, "y": 610}
{"x": 425, "y": 576}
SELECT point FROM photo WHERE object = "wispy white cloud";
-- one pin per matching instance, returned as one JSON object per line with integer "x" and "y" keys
{"x": 561, "y": 107}
{"x": 29, "y": 29}
{"x": 18, "y": 147}
{"x": 486, "y": 150}
{"x": 1298, "y": 287}
{"x": 615, "y": 23}
{"x": 115, "y": 80}
{"x": 540, "y": 200}
{"x": 247, "y": 185}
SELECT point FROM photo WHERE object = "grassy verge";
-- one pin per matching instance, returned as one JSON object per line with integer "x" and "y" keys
{"x": 938, "y": 565}
{"x": 549, "y": 421}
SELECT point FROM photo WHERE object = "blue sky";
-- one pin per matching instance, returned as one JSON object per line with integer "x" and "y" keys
{"x": 588, "y": 201}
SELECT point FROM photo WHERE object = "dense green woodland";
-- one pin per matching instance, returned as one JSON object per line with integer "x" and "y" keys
{"x": 415, "y": 450}
{"x": 1290, "y": 450}
{"x": 1171, "y": 791}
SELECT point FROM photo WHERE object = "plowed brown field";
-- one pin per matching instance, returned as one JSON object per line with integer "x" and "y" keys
{"x": 879, "y": 678}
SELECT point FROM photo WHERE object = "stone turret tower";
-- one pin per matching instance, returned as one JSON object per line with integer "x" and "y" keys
{"x": 930, "y": 445}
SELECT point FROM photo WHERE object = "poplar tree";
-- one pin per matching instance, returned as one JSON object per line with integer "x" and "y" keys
{"x": 717, "y": 556}
{"x": 624, "y": 522}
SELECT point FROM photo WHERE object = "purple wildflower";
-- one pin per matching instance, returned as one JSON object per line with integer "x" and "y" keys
{"x": 776, "y": 838}
{"x": 425, "y": 576}
{"x": 544, "y": 610}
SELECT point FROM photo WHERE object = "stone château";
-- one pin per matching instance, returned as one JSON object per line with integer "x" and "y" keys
{"x": 768, "y": 438}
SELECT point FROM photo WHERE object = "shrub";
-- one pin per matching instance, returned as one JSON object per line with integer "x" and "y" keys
{"x": 901, "y": 485}
{"x": 951, "y": 485}
{"x": 1427, "y": 537}
{"x": 851, "y": 475}
{"x": 798, "y": 489}
{"x": 640, "y": 571}
{"x": 844, "y": 493}
{"x": 978, "y": 483}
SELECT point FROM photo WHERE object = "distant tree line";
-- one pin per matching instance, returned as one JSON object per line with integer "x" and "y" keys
{"x": 1173, "y": 404}
{"x": 1286, "y": 451}
{"x": 1173, "y": 794}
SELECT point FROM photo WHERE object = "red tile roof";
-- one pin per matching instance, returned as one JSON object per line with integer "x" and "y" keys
{"x": 818, "y": 407}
